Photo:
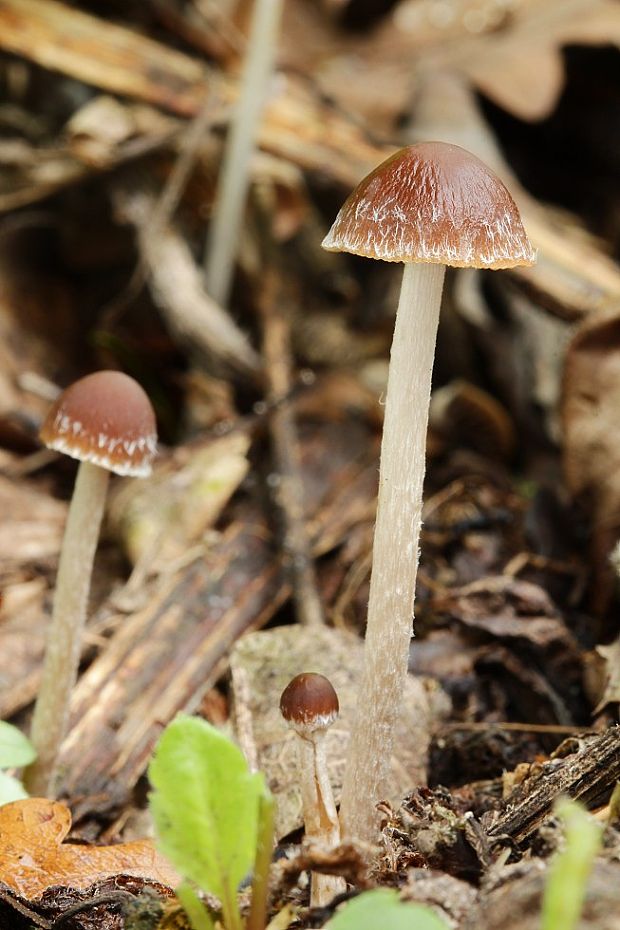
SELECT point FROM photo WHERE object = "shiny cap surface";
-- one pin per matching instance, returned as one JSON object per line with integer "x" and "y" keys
{"x": 432, "y": 202}
{"x": 309, "y": 702}
{"x": 105, "y": 418}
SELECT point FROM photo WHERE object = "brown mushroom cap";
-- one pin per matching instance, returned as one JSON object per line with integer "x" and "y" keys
{"x": 107, "y": 419}
{"x": 309, "y": 702}
{"x": 432, "y": 202}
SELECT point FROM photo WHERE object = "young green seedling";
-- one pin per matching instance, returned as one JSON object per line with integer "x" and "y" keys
{"x": 570, "y": 868}
{"x": 310, "y": 706}
{"x": 230, "y": 198}
{"x": 429, "y": 205}
{"x": 106, "y": 421}
{"x": 382, "y": 908}
{"x": 213, "y": 819}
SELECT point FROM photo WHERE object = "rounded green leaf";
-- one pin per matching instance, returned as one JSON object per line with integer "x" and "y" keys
{"x": 15, "y": 749}
{"x": 383, "y": 908}
{"x": 205, "y": 806}
{"x": 10, "y": 789}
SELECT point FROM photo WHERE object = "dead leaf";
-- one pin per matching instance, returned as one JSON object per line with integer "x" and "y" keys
{"x": 513, "y": 55}
{"x": 590, "y": 403}
{"x": 164, "y": 516}
{"x": 611, "y": 658}
{"x": 32, "y": 523}
{"x": 32, "y": 857}
{"x": 591, "y": 398}
{"x": 520, "y": 66}
{"x": 97, "y": 130}
{"x": 573, "y": 275}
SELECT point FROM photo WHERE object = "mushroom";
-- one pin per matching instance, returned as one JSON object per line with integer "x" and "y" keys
{"x": 309, "y": 704}
{"x": 428, "y": 205}
{"x": 225, "y": 226}
{"x": 106, "y": 421}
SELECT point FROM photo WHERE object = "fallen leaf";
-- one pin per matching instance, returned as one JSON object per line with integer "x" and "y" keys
{"x": 164, "y": 517}
{"x": 591, "y": 397}
{"x": 611, "y": 658}
{"x": 590, "y": 402}
{"x": 511, "y": 54}
{"x": 32, "y": 857}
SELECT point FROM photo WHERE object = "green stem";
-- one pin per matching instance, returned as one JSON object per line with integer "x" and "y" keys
{"x": 230, "y": 911}
{"x": 199, "y": 917}
{"x": 257, "y": 918}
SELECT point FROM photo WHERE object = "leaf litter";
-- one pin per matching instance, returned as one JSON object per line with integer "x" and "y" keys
{"x": 516, "y": 637}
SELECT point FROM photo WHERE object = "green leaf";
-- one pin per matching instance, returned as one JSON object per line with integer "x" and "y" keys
{"x": 10, "y": 789}
{"x": 571, "y": 867}
{"x": 15, "y": 749}
{"x": 383, "y": 908}
{"x": 205, "y": 809}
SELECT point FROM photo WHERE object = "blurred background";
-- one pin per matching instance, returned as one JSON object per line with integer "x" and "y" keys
{"x": 113, "y": 117}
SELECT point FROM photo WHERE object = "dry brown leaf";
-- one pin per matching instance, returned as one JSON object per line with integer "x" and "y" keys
{"x": 611, "y": 658}
{"x": 32, "y": 523}
{"x": 572, "y": 276}
{"x": 520, "y": 66}
{"x": 590, "y": 403}
{"x": 169, "y": 513}
{"x": 591, "y": 399}
{"x": 512, "y": 55}
{"x": 32, "y": 857}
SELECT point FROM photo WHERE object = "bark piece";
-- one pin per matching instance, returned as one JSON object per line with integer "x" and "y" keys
{"x": 265, "y": 662}
{"x": 582, "y": 769}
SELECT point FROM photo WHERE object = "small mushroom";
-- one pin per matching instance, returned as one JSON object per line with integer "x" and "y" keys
{"x": 309, "y": 704}
{"x": 428, "y": 205}
{"x": 106, "y": 421}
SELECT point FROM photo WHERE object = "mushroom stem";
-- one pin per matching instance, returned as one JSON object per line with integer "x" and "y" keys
{"x": 62, "y": 652}
{"x": 230, "y": 198}
{"x": 320, "y": 816}
{"x": 395, "y": 549}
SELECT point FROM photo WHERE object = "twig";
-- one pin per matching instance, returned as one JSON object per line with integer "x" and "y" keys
{"x": 587, "y": 775}
{"x": 114, "y": 897}
{"x": 289, "y": 489}
{"x": 177, "y": 287}
{"x": 166, "y": 204}
{"x": 12, "y": 900}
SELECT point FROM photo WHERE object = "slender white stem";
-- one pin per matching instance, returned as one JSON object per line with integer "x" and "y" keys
{"x": 395, "y": 551}
{"x": 230, "y": 198}
{"x": 320, "y": 817}
{"x": 62, "y": 651}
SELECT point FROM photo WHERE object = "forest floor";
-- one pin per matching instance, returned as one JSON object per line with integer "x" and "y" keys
{"x": 208, "y": 583}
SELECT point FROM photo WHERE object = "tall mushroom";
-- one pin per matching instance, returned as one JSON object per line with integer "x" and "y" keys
{"x": 428, "y": 205}
{"x": 106, "y": 421}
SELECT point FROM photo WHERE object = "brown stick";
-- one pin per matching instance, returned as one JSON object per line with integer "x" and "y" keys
{"x": 285, "y": 442}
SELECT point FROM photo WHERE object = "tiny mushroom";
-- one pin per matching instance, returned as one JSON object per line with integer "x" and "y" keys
{"x": 428, "y": 206}
{"x": 106, "y": 421}
{"x": 309, "y": 704}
